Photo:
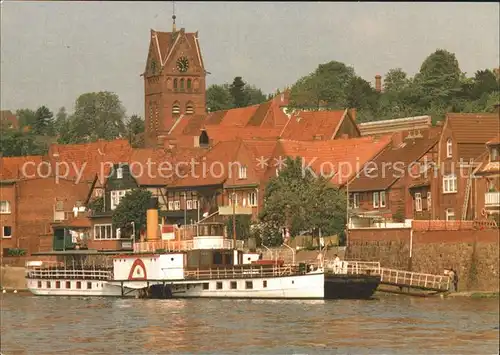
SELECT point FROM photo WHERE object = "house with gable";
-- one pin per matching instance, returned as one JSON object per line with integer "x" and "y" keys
{"x": 384, "y": 189}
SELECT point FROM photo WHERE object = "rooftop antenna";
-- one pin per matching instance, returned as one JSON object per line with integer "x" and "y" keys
{"x": 173, "y": 17}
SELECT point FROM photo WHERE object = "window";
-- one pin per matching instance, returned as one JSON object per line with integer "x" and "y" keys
{"x": 39, "y": 284}
{"x": 449, "y": 183}
{"x": 205, "y": 285}
{"x": 177, "y": 205}
{"x": 189, "y": 108}
{"x": 4, "y": 207}
{"x": 355, "y": 200}
{"x": 89, "y": 285}
{"x": 182, "y": 84}
{"x": 382, "y": 198}
{"x": 264, "y": 284}
{"x": 68, "y": 284}
{"x": 418, "y": 201}
{"x": 79, "y": 285}
{"x": 176, "y": 108}
{"x": 248, "y": 285}
{"x": 429, "y": 201}
{"x": 175, "y": 83}
{"x": 449, "y": 148}
{"x": 195, "y": 204}
{"x": 7, "y": 232}
{"x": 243, "y": 172}
{"x": 104, "y": 231}
{"x": 219, "y": 285}
{"x": 234, "y": 285}
{"x": 494, "y": 153}
{"x": 189, "y": 84}
{"x": 233, "y": 198}
{"x": 189, "y": 204}
{"x": 119, "y": 173}
{"x": 58, "y": 284}
{"x": 170, "y": 205}
{"x": 252, "y": 198}
{"x": 48, "y": 284}
{"x": 375, "y": 200}
{"x": 116, "y": 197}
{"x": 450, "y": 214}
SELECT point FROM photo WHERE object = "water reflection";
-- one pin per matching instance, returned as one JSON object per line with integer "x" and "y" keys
{"x": 389, "y": 325}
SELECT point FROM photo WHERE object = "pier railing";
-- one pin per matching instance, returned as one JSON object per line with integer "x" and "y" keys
{"x": 242, "y": 272}
{"x": 393, "y": 277}
{"x": 58, "y": 271}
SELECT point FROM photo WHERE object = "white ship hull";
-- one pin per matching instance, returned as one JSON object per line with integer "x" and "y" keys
{"x": 81, "y": 288}
{"x": 308, "y": 286}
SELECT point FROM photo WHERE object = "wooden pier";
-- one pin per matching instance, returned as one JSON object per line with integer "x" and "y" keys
{"x": 392, "y": 277}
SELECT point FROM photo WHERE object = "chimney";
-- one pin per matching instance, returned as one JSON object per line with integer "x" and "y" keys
{"x": 397, "y": 139}
{"x": 152, "y": 219}
{"x": 378, "y": 83}
{"x": 352, "y": 113}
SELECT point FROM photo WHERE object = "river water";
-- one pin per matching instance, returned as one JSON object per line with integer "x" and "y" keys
{"x": 385, "y": 325}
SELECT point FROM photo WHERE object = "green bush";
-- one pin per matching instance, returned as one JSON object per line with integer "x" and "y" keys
{"x": 16, "y": 252}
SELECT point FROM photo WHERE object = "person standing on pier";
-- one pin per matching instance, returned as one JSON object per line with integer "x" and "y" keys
{"x": 452, "y": 276}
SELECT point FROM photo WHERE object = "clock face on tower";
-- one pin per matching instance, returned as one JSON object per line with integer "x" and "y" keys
{"x": 182, "y": 64}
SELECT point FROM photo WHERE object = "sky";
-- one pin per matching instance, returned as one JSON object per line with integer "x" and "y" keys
{"x": 51, "y": 52}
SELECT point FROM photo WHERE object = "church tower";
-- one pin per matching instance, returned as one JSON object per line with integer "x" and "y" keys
{"x": 174, "y": 81}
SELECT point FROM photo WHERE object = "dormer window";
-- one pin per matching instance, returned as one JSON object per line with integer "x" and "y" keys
{"x": 243, "y": 172}
{"x": 449, "y": 148}
{"x": 119, "y": 173}
{"x": 494, "y": 153}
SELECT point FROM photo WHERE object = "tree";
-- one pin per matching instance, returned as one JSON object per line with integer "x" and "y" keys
{"x": 438, "y": 80}
{"x": 255, "y": 95}
{"x": 300, "y": 201}
{"x": 98, "y": 115}
{"x": 61, "y": 120}
{"x": 395, "y": 80}
{"x": 219, "y": 98}
{"x": 484, "y": 82}
{"x": 43, "y": 124}
{"x": 15, "y": 143}
{"x": 135, "y": 128}
{"x": 326, "y": 86}
{"x": 243, "y": 223}
{"x": 237, "y": 91}
{"x": 26, "y": 118}
{"x": 361, "y": 95}
{"x": 132, "y": 208}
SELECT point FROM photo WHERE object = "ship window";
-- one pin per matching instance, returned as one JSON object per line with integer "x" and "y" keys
{"x": 78, "y": 284}
{"x": 205, "y": 286}
{"x": 217, "y": 258}
{"x": 58, "y": 284}
{"x": 248, "y": 285}
{"x": 39, "y": 284}
{"x": 68, "y": 284}
{"x": 48, "y": 284}
{"x": 264, "y": 284}
{"x": 89, "y": 285}
{"x": 219, "y": 285}
{"x": 234, "y": 285}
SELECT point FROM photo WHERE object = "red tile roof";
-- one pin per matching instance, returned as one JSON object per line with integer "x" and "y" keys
{"x": 25, "y": 167}
{"x": 344, "y": 156}
{"x": 393, "y": 162}
{"x": 93, "y": 158}
{"x": 495, "y": 140}
{"x": 212, "y": 167}
{"x": 305, "y": 125}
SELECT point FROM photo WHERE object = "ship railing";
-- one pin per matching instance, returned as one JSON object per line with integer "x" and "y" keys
{"x": 183, "y": 245}
{"x": 241, "y": 272}
{"x": 353, "y": 267}
{"x": 56, "y": 270}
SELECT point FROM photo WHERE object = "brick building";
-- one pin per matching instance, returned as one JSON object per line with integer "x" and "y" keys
{"x": 383, "y": 191}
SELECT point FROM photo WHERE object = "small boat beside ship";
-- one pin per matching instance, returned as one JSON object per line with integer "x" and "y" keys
{"x": 209, "y": 265}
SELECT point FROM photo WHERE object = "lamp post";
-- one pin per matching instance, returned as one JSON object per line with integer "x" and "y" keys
{"x": 233, "y": 197}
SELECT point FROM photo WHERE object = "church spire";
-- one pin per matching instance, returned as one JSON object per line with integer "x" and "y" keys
{"x": 173, "y": 17}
